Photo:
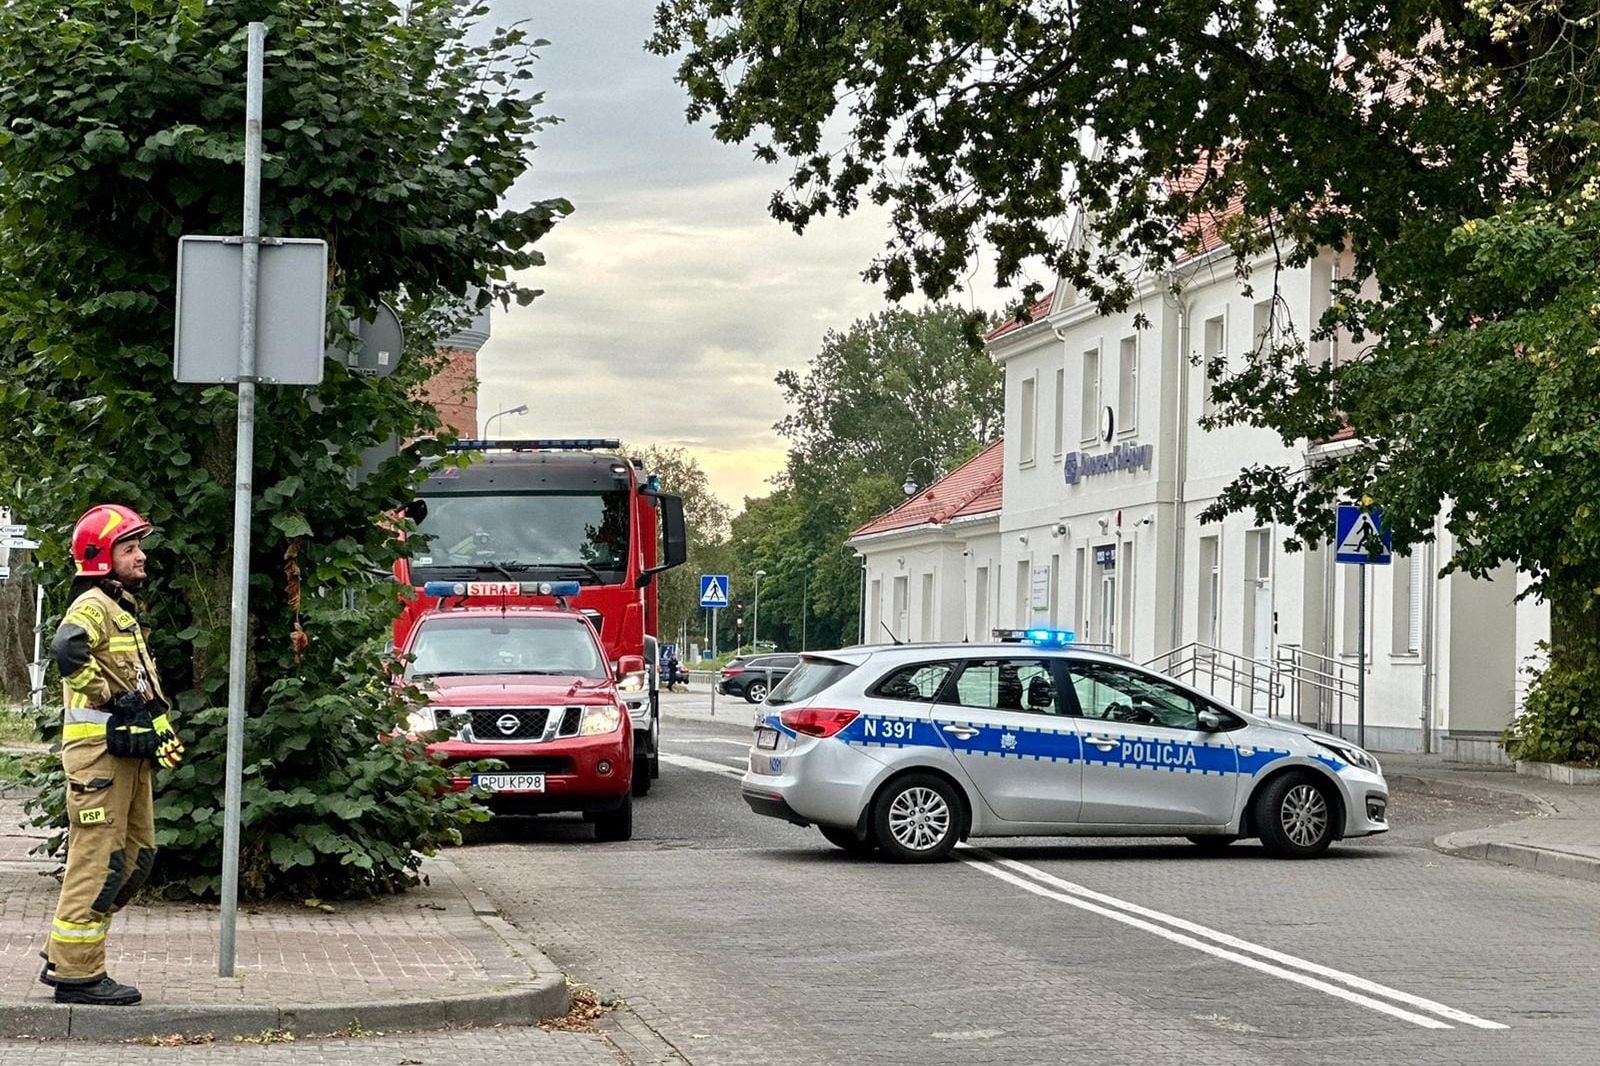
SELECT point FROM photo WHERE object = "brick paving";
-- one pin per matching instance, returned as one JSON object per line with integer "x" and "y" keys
{"x": 425, "y": 944}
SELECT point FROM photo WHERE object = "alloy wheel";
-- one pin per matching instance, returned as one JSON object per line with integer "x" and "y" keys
{"x": 919, "y": 818}
{"x": 1304, "y": 815}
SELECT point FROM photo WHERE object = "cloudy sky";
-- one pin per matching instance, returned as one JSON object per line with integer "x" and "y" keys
{"x": 671, "y": 298}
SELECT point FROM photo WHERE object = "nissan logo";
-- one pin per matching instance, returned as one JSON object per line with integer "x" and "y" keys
{"x": 508, "y": 723}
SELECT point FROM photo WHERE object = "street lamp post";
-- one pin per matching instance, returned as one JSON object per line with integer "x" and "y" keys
{"x": 755, "y": 623}
{"x": 520, "y": 409}
{"x": 910, "y": 486}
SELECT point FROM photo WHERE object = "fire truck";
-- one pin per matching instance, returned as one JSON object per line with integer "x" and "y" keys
{"x": 527, "y": 512}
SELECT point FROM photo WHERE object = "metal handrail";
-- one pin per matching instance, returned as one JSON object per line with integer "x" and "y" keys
{"x": 1325, "y": 678}
{"x": 1198, "y": 661}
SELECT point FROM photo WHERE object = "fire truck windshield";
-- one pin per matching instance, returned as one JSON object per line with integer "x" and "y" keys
{"x": 584, "y": 531}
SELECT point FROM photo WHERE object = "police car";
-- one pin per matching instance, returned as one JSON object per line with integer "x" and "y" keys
{"x": 908, "y": 749}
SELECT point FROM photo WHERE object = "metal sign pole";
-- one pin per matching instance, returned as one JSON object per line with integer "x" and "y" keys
{"x": 36, "y": 674}
{"x": 244, "y": 462}
{"x": 1361, "y": 656}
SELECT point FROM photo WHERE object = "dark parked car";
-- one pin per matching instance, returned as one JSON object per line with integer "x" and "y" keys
{"x": 752, "y": 676}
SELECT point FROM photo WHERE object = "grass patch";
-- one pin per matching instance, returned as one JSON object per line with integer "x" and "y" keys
{"x": 15, "y": 766}
{"x": 17, "y": 727}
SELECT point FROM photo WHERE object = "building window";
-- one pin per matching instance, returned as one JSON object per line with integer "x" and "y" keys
{"x": 980, "y": 609}
{"x": 1089, "y": 425}
{"x": 1024, "y": 586}
{"x": 1030, "y": 419}
{"x": 1128, "y": 385}
{"x": 898, "y": 619}
{"x": 1408, "y": 572}
{"x": 1055, "y": 589}
{"x": 1058, "y": 444}
{"x": 1262, "y": 335}
{"x": 874, "y": 611}
{"x": 928, "y": 613}
{"x": 1125, "y": 568}
{"x": 1210, "y": 577}
{"x": 1216, "y": 349}
{"x": 1080, "y": 582}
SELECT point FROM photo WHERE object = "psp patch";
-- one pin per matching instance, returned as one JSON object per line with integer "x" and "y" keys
{"x": 92, "y": 816}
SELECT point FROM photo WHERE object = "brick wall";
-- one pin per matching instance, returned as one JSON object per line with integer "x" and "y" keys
{"x": 454, "y": 392}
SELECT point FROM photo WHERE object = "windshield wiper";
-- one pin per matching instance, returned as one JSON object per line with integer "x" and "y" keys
{"x": 599, "y": 578}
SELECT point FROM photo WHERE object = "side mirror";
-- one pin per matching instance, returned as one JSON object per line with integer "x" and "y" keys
{"x": 1210, "y": 720}
{"x": 416, "y": 510}
{"x": 629, "y": 664}
{"x": 674, "y": 536}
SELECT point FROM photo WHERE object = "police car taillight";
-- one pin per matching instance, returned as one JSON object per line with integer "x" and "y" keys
{"x": 817, "y": 721}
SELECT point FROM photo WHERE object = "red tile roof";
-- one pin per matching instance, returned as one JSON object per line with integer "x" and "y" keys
{"x": 1035, "y": 313}
{"x": 972, "y": 489}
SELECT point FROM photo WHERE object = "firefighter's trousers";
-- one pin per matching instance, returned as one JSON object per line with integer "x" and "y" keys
{"x": 111, "y": 848}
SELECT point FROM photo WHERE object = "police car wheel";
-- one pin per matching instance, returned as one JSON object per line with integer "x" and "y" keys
{"x": 757, "y": 692}
{"x": 917, "y": 819}
{"x": 1294, "y": 815}
{"x": 846, "y": 839}
{"x": 1212, "y": 843}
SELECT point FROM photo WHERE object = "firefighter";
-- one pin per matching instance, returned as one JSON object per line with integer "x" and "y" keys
{"x": 115, "y": 726}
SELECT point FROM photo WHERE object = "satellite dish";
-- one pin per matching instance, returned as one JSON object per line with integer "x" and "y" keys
{"x": 377, "y": 346}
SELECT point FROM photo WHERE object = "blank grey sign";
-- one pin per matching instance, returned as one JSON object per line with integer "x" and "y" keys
{"x": 291, "y": 311}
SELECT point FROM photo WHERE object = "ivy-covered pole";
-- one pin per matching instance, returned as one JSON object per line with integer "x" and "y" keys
{"x": 244, "y": 461}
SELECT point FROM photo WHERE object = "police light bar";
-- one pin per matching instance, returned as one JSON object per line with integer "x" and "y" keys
{"x": 1042, "y": 637}
{"x": 441, "y": 589}
{"x": 548, "y": 444}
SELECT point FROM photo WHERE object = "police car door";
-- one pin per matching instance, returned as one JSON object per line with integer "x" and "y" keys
{"x": 1008, "y": 727}
{"x": 1146, "y": 761}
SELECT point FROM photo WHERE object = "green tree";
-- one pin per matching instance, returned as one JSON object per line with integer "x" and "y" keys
{"x": 1448, "y": 149}
{"x": 392, "y": 133}
{"x": 897, "y": 393}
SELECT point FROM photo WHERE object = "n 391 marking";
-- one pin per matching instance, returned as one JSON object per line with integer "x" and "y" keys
{"x": 887, "y": 729}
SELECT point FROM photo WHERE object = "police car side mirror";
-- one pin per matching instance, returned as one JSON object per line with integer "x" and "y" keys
{"x": 1210, "y": 720}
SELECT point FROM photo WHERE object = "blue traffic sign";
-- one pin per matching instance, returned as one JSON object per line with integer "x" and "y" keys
{"x": 1358, "y": 531}
{"x": 713, "y": 590}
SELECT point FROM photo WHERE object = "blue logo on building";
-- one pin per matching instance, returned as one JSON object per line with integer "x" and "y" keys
{"x": 1078, "y": 465}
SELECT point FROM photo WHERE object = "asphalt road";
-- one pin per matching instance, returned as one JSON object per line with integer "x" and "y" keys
{"x": 739, "y": 940}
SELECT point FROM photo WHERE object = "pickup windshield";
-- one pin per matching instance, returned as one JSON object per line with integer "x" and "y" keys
{"x": 584, "y": 532}
{"x": 492, "y": 644}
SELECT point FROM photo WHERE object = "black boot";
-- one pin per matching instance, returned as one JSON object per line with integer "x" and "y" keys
{"x": 101, "y": 992}
{"x": 47, "y": 976}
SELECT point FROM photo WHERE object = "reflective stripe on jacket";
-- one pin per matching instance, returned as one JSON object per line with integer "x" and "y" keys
{"x": 100, "y": 651}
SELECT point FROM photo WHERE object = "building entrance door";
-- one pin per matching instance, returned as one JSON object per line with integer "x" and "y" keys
{"x": 1108, "y": 609}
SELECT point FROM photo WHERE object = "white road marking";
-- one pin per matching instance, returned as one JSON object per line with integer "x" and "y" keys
{"x": 689, "y": 762}
{"x": 711, "y": 740}
{"x": 1144, "y": 918}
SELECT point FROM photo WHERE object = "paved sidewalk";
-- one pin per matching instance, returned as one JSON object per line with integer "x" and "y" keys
{"x": 1563, "y": 838}
{"x": 437, "y": 956}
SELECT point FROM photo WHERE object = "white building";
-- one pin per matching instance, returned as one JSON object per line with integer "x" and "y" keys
{"x": 1106, "y": 472}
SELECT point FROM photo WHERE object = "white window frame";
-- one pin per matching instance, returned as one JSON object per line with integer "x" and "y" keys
{"x": 1089, "y": 408}
{"x": 1059, "y": 444}
{"x": 1208, "y": 403}
{"x": 1128, "y": 386}
{"x": 1028, "y": 438}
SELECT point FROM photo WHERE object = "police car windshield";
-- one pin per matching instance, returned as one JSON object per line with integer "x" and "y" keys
{"x": 492, "y": 644}
{"x": 584, "y": 532}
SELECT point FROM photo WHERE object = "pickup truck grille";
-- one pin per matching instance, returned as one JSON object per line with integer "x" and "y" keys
{"x": 509, "y": 723}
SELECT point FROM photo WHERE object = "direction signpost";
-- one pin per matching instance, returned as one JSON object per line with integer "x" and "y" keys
{"x": 1360, "y": 539}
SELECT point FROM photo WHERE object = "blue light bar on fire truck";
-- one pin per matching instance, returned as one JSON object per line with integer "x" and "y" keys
{"x": 545, "y": 444}
{"x": 1045, "y": 638}
{"x": 442, "y": 589}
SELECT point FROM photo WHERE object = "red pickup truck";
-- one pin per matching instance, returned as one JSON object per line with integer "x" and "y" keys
{"x": 532, "y": 688}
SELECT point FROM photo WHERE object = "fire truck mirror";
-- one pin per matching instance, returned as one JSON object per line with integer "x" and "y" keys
{"x": 674, "y": 537}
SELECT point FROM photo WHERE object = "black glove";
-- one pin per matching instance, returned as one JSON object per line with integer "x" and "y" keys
{"x": 130, "y": 733}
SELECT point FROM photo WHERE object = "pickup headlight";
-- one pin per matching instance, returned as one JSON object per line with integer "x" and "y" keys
{"x": 422, "y": 720}
{"x": 1353, "y": 755}
{"x": 598, "y": 720}
{"x": 633, "y": 681}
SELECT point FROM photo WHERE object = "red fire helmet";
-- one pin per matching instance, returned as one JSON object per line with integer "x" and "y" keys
{"x": 101, "y": 527}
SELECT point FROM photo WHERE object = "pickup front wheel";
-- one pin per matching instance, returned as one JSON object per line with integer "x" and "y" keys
{"x": 617, "y": 825}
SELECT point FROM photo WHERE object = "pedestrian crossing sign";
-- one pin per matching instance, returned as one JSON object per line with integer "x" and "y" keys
{"x": 1359, "y": 536}
{"x": 713, "y": 590}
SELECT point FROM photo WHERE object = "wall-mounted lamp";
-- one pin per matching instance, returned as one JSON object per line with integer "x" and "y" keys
{"x": 1105, "y": 524}
{"x": 900, "y": 561}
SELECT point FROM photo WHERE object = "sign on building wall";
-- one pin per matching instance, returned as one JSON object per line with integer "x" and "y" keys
{"x": 1040, "y": 598}
{"x": 1075, "y": 466}
{"x": 1105, "y": 555}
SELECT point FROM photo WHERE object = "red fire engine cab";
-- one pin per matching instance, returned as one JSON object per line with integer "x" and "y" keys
{"x": 547, "y": 510}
